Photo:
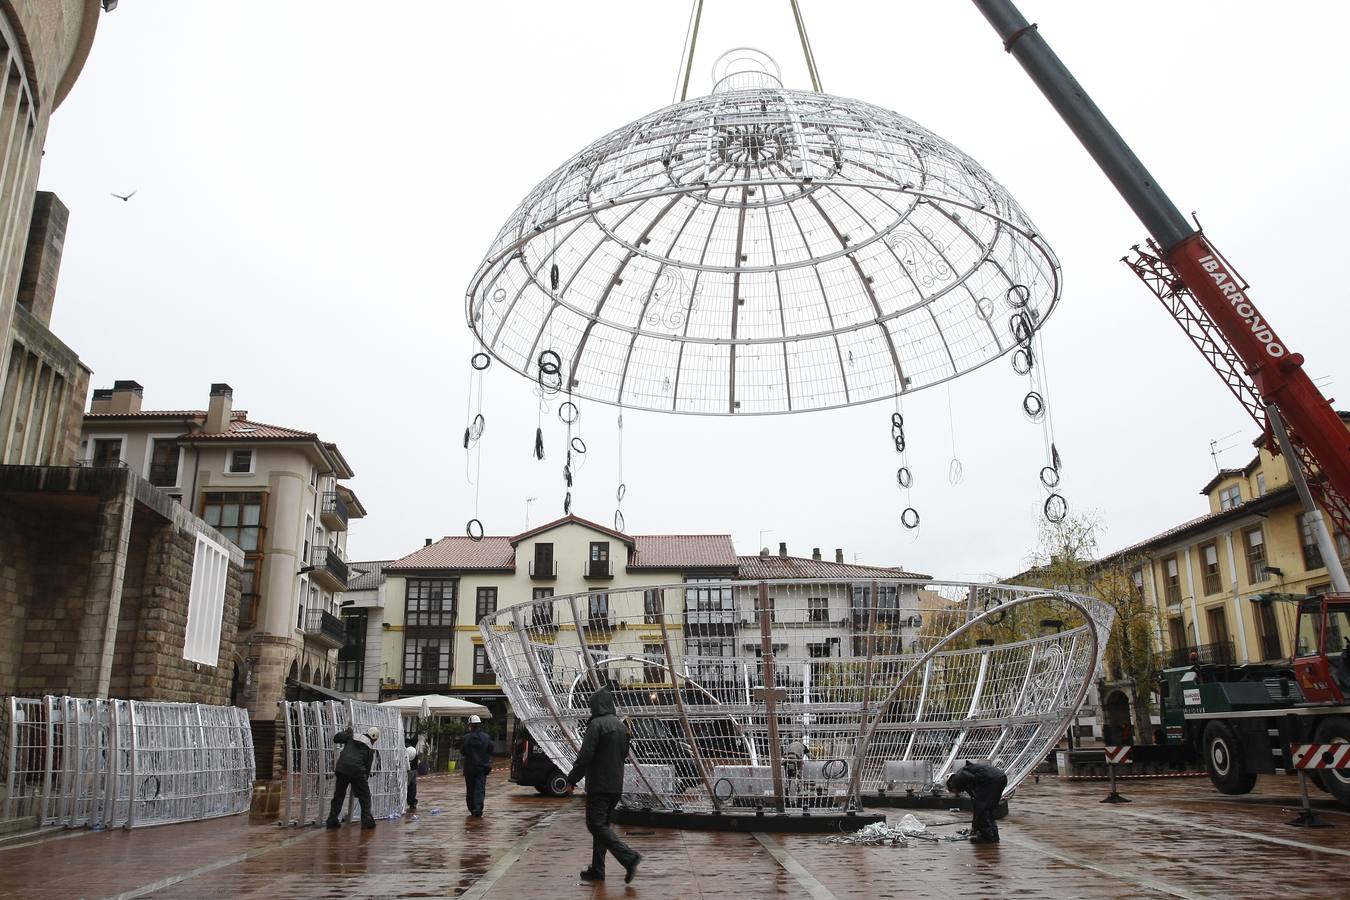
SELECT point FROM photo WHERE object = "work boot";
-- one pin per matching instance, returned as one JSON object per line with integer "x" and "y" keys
{"x": 592, "y": 875}
{"x": 332, "y": 823}
{"x": 630, "y": 870}
{"x": 367, "y": 823}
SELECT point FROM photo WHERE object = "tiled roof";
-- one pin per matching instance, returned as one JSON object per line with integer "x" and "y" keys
{"x": 571, "y": 520}
{"x": 163, "y": 414}
{"x": 459, "y": 553}
{"x": 754, "y": 567}
{"x": 683, "y": 551}
{"x": 366, "y": 576}
{"x": 244, "y": 429}
{"x": 1256, "y": 504}
{"x": 1220, "y": 476}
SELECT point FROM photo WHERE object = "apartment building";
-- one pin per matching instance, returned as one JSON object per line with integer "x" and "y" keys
{"x": 274, "y": 492}
{"x": 435, "y": 596}
{"x": 1219, "y": 581}
{"x": 360, "y": 669}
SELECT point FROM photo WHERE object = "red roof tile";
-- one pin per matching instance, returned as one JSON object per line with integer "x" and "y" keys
{"x": 1256, "y": 504}
{"x": 683, "y": 551}
{"x": 243, "y": 429}
{"x": 571, "y": 520}
{"x": 756, "y": 567}
{"x": 459, "y": 553}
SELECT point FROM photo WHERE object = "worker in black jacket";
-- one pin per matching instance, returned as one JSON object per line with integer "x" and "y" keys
{"x": 985, "y": 784}
{"x": 476, "y": 748}
{"x": 600, "y": 761}
{"x": 353, "y": 768}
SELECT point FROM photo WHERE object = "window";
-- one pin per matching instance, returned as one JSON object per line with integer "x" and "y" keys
{"x": 1176, "y": 633}
{"x": 1255, "y": 543}
{"x": 314, "y": 476}
{"x": 818, "y": 651}
{"x": 240, "y": 462}
{"x": 701, "y": 596}
{"x": 541, "y": 615}
{"x": 1342, "y": 546}
{"x": 486, "y": 603}
{"x": 543, "y": 560}
{"x": 1230, "y": 497}
{"x": 482, "y": 667}
{"x": 599, "y": 653}
{"x": 651, "y": 608}
{"x": 1269, "y": 631}
{"x": 1261, "y": 484}
{"x": 107, "y": 451}
{"x": 1209, "y": 565}
{"x": 598, "y": 566}
{"x": 768, "y": 604}
{"x": 817, "y": 609}
{"x": 1137, "y": 580}
{"x": 248, "y": 592}
{"x": 426, "y": 661}
{"x": 1312, "y": 554}
{"x": 597, "y": 610}
{"x": 1171, "y": 581}
{"x": 300, "y": 603}
{"x": 888, "y": 603}
{"x": 206, "y": 602}
{"x": 653, "y": 672}
{"x": 237, "y": 516}
{"x": 430, "y": 602}
{"x": 164, "y": 454}
{"x": 1217, "y": 621}
{"x": 309, "y": 536}
{"x": 350, "y": 674}
{"x": 708, "y": 654}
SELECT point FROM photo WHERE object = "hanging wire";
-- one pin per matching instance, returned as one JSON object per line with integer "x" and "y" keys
{"x": 622, "y": 490}
{"x": 955, "y": 471}
{"x": 691, "y": 40}
{"x": 807, "y": 52}
{"x": 473, "y": 433}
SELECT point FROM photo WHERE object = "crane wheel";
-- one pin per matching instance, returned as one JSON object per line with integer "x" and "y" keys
{"x": 1224, "y": 760}
{"x": 1335, "y": 730}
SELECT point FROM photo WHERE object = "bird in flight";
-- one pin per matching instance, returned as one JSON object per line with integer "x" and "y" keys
{"x": 124, "y": 197}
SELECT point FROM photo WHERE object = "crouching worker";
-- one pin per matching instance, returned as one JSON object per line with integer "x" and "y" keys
{"x": 353, "y": 768}
{"x": 984, "y": 784}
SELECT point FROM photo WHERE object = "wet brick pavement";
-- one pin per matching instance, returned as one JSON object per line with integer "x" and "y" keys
{"x": 1177, "y": 838}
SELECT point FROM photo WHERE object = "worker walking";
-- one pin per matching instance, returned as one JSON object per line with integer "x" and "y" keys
{"x": 600, "y": 761}
{"x": 476, "y": 748}
{"x": 353, "y": 769}
{"x": 985, "y": 784}
{"x": 414, "y": 757}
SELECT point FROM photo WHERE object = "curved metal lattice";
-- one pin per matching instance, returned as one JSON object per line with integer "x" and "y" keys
{"x": 887, "y": 684}
{"x": 762, "y": 250}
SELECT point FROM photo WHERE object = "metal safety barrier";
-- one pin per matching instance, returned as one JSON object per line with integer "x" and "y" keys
{"x": 311, "y": 754}
{"x": 124, "y": 763}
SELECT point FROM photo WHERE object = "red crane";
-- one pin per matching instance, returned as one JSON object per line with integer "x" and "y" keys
{"x": 1207, "y": 297}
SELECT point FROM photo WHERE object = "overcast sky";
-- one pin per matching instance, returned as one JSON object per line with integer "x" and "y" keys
{"x": 317, "y": 182}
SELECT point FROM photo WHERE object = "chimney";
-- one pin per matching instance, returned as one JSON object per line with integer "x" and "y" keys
{"x": 101, "y": 402}
{"x": 782, "y": 548}
{"x": 428, "y": 542}
{"x": 763, "y": 551}
{"x": 218, "y": 413}
{"x": 815, "y": 553}
{"x": 838, "y": 554}
{"x": 125, "y": 398}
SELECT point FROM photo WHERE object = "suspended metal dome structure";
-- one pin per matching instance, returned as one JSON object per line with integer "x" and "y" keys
{"x": 761, "y": 250}
{"x": 885, "y": 685}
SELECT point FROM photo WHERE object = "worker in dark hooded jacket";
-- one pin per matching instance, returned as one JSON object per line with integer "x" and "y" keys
{"x": 985, "y": 784}
{"x": 600, "y": 761}
{"x": 353, "y": 768}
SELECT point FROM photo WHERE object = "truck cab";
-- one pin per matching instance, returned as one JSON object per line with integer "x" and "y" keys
{"x": 1322, "y": 648}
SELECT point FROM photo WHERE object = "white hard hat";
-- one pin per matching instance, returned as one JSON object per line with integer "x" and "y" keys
{"x": 474, "y": 720}
{"x": 373, "y": 733}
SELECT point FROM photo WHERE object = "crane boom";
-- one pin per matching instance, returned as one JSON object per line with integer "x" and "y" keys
{"x": 1202, "y": 290}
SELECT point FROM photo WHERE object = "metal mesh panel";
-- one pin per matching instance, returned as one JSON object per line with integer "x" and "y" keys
{"x": 311, "y": 755}
{"x": 796, "y": 694}
{"x": 107, "y": 763}
{"x": 762, "y": 251}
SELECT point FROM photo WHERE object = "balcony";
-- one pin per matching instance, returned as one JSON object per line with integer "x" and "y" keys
{"x": 333, "y": 513}
{"x": 324, "y": 629}
{"x": 543, "y": 569}
{"x": 330, "y": 569}
{"x": 164, "y": 474}
{"x": 598, "y": 569}
{"x": 599, "y": 621}
{"x": 95, "y": 462}
{"x": 1220, "y": 653}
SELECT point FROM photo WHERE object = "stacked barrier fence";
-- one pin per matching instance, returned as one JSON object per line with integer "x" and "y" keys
{"x": 311, "y": 754}
{"x": 124, "y": 763}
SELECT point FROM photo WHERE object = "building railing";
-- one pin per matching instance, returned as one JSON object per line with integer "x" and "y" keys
{"x": 321, "y": 623}
{"x": 164, "y": 474}
{"x": 543, "y": 568}
{"x": 327, "y": 560}
{"x": 334, "y": 511}
{"x": 93, "y": 463}
{"x": 598, "y": 568}
{"x": 1220, "y": 653}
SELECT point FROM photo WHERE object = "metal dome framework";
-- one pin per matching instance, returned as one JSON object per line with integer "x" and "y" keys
{"x": 916, "y": 676}
{"x": 762, "y": 250}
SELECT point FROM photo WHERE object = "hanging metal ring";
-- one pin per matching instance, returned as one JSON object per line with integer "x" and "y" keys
{"x": 567, "y": 504}
{"x": 569, "y": 413}
{"x": 910, "y": 518}
{"x": 476, "y": 429}
{"x": 1056, "y": 508}
{"x": 1049, "y": 476}
{"x": 897, "y": 422}
{"x": 1018, "y": 296}
{"x": 899, "y": 443}
{"x": 1033, "y": 404}
{"x": 1054, "y": 456}
{"x": 474, "y": 530}
{"x": 618, "y": 520}
{"x": 1019, "y": 323}
{"x": 621, "y": 493}
{"x": 553, "y": 276}
{"x": 499, "y": 295}
{"x": 480, "y": 361}
{"x": 834, "y": 769}
{"x": 904, "y": 477}
{"x": 955, "y": 471}
{"x": 985, "y": 307}
{"x": 550, "y": 363}
{"x": 1023, "y": 359}
{"x": 578, "y": 445}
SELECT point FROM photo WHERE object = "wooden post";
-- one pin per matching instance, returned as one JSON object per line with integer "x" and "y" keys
{"x": 770, "y": 696}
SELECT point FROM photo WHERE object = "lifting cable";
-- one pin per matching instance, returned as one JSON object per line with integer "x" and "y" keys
{"x": 691, "y": 41}
{"x": 807, "y": 52}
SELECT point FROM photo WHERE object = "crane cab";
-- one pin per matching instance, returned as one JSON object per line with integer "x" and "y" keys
{"x": 1322, "y": 648}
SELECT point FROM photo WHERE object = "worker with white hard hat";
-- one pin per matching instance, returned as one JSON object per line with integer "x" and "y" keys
{"x": 353, "y": 768}
{"x": 477, "y": 752}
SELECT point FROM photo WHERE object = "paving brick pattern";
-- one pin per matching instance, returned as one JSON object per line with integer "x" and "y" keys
{"x": 1178, "y": 838}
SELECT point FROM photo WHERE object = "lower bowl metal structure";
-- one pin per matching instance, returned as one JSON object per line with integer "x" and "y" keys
{"x": 801, "y": 697}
